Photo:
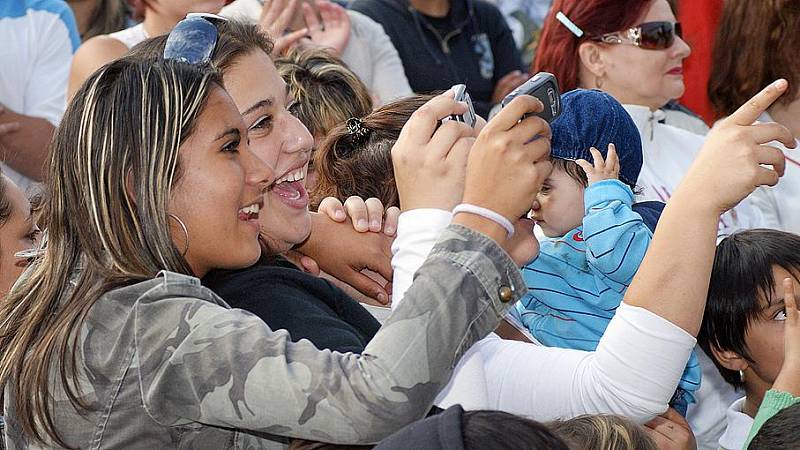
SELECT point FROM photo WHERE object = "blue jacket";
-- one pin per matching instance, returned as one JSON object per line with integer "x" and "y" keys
{"x": 577, "y": 282}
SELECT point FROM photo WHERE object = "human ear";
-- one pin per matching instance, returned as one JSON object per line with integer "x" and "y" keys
{"x": 729, "y": 359}
{"x": 592, "y": 63}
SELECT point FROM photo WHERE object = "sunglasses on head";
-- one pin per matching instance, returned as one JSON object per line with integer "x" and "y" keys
{"x": 649, "y": 35}
{"x": 193, "y": 39}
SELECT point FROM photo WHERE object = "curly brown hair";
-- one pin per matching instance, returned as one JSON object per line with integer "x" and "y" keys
{"x": 757, "y": 42}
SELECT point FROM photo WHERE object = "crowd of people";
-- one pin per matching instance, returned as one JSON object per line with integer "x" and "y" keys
{"x": 270, "y": 224}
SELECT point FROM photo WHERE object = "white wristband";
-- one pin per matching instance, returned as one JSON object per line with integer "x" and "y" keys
{"x": 486, "y": 214}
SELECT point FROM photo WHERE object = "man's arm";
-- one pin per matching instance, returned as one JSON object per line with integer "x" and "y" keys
{"x": 24, "y": 147}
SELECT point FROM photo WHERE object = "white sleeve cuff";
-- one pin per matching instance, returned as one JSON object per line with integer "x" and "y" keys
{"x": 417, "y": 231}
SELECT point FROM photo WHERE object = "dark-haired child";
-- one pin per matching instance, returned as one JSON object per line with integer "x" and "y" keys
{"x": 745, "y": 319}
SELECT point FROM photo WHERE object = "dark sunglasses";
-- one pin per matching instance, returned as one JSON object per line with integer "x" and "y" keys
{"x": 649, "y": 35}
{"x": 193, "y": 39}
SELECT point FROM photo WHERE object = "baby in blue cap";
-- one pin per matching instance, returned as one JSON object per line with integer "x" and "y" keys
{"x": 596, "y": 240}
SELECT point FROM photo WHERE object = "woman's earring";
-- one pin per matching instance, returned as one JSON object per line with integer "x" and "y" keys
{"x": 741, "y": 376}
{"x": 599, "y": 82}
{"x": 185, "y": 232}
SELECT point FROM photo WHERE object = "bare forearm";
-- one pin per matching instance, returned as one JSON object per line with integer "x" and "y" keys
{"x": 25, "y": 150}
{"x": 673, "y": 278}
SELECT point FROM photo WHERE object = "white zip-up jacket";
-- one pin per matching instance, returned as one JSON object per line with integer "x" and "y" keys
{"x": 668, "y": 154}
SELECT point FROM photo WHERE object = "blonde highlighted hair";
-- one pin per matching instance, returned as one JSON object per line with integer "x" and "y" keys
{"x": 328, "y": 93}
{"x": 113, "y": 164}
{"x": 602, "y": 432}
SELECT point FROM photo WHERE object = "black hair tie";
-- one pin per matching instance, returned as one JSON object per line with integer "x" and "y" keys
{"x": 356, "y": 130}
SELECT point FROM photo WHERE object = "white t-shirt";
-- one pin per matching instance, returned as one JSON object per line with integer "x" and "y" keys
{"x": 37, "y": 41}
{"x": 668, "y": 154}
{"x": 779, "y": 204}
{"x": 739, "y": 425}
{"x": 131, "y": 36}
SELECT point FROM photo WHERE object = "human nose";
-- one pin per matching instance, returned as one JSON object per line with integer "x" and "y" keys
{"x": 257, "y": 171}
{"x": 535, "y": 206}
{"x": 298, "y": 138}
{"x": 680, "y": 49}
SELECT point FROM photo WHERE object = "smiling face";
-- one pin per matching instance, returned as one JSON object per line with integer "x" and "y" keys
{"x": 280, "y": 139}
{"x": 640, "y": 76}
{"x": 219, "y": 193}
{"x": 558, "y": 207}
{"x": 18, "y": 233}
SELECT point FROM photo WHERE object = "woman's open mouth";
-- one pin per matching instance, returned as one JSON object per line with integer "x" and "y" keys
{"x": 250, "y": 213}
{"x": 290, "y": 188}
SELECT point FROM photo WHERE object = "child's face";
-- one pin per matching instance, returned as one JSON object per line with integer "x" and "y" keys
{"x": 559, "y": 206}
{"x": 764, "y": 338}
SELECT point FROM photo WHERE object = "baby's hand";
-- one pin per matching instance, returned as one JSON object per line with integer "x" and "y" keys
{"x": 603, "y": 169}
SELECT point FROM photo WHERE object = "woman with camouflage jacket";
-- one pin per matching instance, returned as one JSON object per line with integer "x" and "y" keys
{"x": 110, "y": 341}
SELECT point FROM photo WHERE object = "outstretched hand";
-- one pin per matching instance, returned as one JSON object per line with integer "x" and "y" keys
{"x": 430, "y": 157}
{"x": 334, "y": 30}
{"x": 734, "y": 160}
{"x": 276, "y": 15}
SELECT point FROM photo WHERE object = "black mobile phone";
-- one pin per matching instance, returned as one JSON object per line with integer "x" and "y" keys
{"x": 543, "y": 86}
{"x": 462, "y": 95}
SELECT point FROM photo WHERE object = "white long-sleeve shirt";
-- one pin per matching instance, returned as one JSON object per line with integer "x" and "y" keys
{"x": 778, "y": 204}
{"x": 633, "y": 372}
{"x": 668, "y": 153}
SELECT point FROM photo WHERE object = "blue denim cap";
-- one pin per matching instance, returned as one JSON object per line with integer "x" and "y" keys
{"x": 592, "y": 118}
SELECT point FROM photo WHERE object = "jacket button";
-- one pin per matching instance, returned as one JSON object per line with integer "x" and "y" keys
{"x": 506, "y": 294}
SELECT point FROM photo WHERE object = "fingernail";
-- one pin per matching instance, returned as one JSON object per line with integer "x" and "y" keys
{"x": 780, "y": 84}
{"x": 362, "y": 224}
{"x": 339, "y": 215}
{"x": 388, "y": 230}
{"x": 382, "y": 298}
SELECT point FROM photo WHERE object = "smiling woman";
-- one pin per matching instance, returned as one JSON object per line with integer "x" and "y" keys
{"x": 109, "y": 338}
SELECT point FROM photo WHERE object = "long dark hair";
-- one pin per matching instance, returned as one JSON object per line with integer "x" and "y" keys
{"x": 113, "y": 163}
{"x": 757, "y": 42}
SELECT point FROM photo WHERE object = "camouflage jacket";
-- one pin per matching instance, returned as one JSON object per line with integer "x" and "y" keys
{"x": 166, "y": 363}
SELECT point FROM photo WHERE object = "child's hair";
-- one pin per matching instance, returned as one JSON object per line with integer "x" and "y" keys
{"x": 572, "y": 169}
{"x": 603, "y": 432}
{"x": 779, "y": 432}
{"x": 326, "y": 91}
{"x": 356, "y": 157}
{"x": 742, "y": 272}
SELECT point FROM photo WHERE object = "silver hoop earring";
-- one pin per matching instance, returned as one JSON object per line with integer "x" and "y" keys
{"x": 185, "y": 232}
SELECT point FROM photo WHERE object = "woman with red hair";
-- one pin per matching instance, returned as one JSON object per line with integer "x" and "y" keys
{"x": 633, "y": 50}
